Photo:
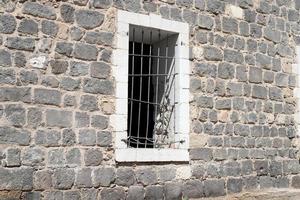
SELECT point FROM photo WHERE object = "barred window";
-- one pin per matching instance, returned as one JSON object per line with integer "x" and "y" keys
{"x": 151, "y": 120}
{"x": 151, "y": 97}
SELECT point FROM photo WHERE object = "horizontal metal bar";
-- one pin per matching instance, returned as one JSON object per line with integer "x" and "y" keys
{"x": 140, "y": 101}
{"x": 151, "y": 56}
{"x": 137, "y": 75}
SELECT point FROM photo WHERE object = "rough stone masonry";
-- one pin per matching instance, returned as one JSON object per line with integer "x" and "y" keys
{"x": 57, "y": 96}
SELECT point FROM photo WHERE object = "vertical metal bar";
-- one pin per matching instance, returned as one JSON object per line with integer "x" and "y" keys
{"x": 132, "y": 86}
{"x": 165, "y": 93}
{"x": 156, "y": 88}
{"x": 141, "y": 85}
{"x": 148, "y": 96}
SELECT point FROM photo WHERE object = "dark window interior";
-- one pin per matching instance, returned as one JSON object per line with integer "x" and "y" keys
{"x": 140, "y": 92}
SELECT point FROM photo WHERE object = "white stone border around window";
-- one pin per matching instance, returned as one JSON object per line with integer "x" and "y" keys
{"x": 296, "y": 71}
{"x": 120, "y": 72}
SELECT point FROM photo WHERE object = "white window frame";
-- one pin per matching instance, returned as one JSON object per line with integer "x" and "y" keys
{"x": 296, "y": 72}
{"x": 182, "y": 81}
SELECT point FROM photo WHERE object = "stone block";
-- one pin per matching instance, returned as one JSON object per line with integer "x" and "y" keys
{"x": 112, "y": 193}
{"x": 125, "y": 177}
{"x": 63, "y": 178}
{"x": 7, "y": 24}
{"x": 103, "y": 176}
{"x": 85, "y": 51}
{"x": 9, "y": 135}
{"x": 39, "y": 10}
{"x": 16, "y": 179}
{"x": 135, "y": 193}
{"x": 20, "y": 43}
{"x": 93, "y": 157}
{"x": 84, "y": 178}
{"x": 214, "y": 188}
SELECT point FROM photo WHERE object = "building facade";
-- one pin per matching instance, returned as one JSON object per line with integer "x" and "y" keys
{"x": 216, "y": 107}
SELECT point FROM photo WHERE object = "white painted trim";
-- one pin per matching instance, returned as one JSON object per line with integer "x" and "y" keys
{"x": 120, "y": 72}
{"x": 296, "y": 92}
{"x": 151, "y": 155}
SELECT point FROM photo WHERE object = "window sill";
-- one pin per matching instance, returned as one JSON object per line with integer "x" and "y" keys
{"x": 151, "y": 155}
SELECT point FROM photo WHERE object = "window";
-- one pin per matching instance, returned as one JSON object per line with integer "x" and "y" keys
{"x": 152, "y": 89}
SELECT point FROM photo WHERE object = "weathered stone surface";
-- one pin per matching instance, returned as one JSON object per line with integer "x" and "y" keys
{"x": 85, "y": 51}
{"x": 73, "y": 157}
{"x": 64, "y": 48}
{"x": 96, "y": 86}
{"x": 212, "y": 53}
{"x": 7, "y": 76}
{"x": 46, "y": 96}
{"x": 234, "y": 185}
{"x": 296, "y": 182}
{"x": 28, "y": 26}
{"x": 229, "y": 25}
{"x": 103, "y": 177}
{"x": 49, "y": 28}
{"x": 84, "y": 178}
{"x": 72, "y": 195}
{"x": 58, "y": 66}
{"x": 102, "y": 3}
{"x": 233, "y": 56}
{"x": 16, "y": 179}
{"x": 193, "y": 189}
{"x": 63, "y": 178}
{"x": 154, "y": 192}
{"x": 70, "y": 84}
{"x": 87, "y": 137}
{"x": 13, "y": 157}
{"x": 7, "y": 23}
{"x": 42, "y": 179}
{"x": 125, "y": 177}
{"x": 5, "y": 58}
{"x": 259, "y": 92}
{"x": 146, "y": 176}
{"x": 255, "y": 75}
{"x": 88, "y": 19}
{"x": 54, "y": 195}
{"x": 28, "y": 77}
{"x": 15, "y": 94}
{"x": 99, "y": 122}
{"x": 214, "y": 188}
{"x": 67, "y": 13}
{"x": 225, "y": 71}
{"x": 112, "y": 193}
{"x": 99, "y": 70}
{"x": 47, "y": 137}
{"x": 104, "y": 138}
{"x": 58, "y": 118}
{"x": 100, "y": 38}
{"x": 20, "y": 43}
{"x": 15, "y": 114}
{"x": 78, "y": 69}
{"x": 205, "y": 22}
{"x": 38, "y": 10}
{"x": 201, "y": 154}
{"x": 93, "y": 157}
{"x": 56, "y": 157}
{"x": 88, "y": 103}
{"x": 33, "y": 157}
{"x": 76, "y": 33}
{"x": 173, "y": 190}
{"x": 135, "y": 193}
{"x": 82, "y": 119}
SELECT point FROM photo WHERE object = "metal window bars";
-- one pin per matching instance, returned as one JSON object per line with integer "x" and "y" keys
{"x": 151, "y": 88}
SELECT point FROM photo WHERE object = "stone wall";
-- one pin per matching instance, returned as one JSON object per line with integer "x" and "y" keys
{"x": 57, "y": 96}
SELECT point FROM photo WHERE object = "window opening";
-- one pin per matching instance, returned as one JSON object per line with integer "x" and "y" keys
{"x": 151, "y": 88}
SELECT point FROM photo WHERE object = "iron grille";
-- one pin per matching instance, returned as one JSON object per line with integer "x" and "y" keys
{"x": 151, "y": 88}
